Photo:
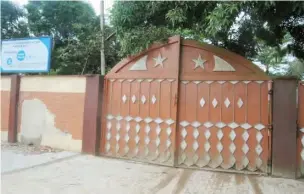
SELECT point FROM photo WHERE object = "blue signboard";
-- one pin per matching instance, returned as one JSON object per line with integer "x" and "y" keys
{"x": 26, "y": 55}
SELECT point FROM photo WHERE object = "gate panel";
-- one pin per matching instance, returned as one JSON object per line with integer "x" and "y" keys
{"x": 300, "y": 140}
{"x": 140, "y": 106}
{"x": 141, "y": 125}
{"x": 223, "y": 118}
{"x": 222, "y": 103}
{"x": 231, "y": 134}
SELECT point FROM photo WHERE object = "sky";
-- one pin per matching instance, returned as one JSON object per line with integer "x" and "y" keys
{"x": 95, "y": 3}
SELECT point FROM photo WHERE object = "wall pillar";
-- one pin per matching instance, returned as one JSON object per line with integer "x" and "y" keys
{"x": 284, "y": 135}
{"x": 13, "y": 109}
{"x": 92, "y": 114}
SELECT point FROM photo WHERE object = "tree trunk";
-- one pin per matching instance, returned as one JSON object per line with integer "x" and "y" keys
{"x": 102, "y": 55}
{"x": 267, "y": 69}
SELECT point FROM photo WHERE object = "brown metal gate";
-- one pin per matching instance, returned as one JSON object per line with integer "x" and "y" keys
{"x": 184, "y": 104}
{"x": 140, "y": 106}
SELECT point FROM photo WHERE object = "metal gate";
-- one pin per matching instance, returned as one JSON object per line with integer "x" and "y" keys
{"x": 140, "y": 106}
{"x": 191, "y": 105}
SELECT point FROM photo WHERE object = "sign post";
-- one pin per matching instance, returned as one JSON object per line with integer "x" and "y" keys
{"x": 26, "y": 55}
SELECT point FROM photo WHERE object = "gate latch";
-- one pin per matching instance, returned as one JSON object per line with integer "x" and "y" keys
{"x": 270, "y": 92}
{"x": 270, "y": 126}
{"x": 175, "y": 99}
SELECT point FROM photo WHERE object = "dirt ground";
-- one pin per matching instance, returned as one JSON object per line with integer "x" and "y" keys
{"x": 29, "y": 170}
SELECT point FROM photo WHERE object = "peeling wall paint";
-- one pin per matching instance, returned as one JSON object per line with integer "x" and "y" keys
{"x": 5, "y": 101}
{"x": 4, "y": 135}
{"x": 5, "y": 83}
{"x": 38, "y": 127}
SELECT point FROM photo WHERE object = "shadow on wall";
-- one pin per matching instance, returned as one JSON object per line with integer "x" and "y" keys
{"x": 38, "y": 128}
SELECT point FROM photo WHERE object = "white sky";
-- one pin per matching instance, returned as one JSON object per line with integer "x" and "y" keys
{"x": 95, "y": 3}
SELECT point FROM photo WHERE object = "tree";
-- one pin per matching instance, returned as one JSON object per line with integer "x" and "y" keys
{"x": 75, "y": 29}
{"x": 296, "y": 68}
{"x": 83, "y": 56}
{"x": 236, "y": 26}
{"x": 60, "y": 19}
{"x": 12, "y": 25}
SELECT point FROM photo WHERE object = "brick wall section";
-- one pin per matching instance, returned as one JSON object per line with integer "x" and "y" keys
{"x": 5, "y": 102}
{"x": 50, "y": 111}
{"x": 67, "y": 108}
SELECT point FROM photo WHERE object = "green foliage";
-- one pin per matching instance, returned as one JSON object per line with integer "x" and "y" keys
{"x": 62, "y": 19}
{"x": 256, "y": 30}
{"x": 135, "y": 41}
{"x": 11, "y": 21}
{"x": 296, "y": 68}
{"x": 236, "y": 26}
{"x": 75, "y": 30}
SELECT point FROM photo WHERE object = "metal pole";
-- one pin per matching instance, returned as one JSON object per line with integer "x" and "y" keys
{"x": 102, "y": 55}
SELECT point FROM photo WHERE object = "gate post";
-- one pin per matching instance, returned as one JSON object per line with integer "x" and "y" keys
{"x": 92, "y": 114}
{"x": 284, "y": 144}
{"x": 13, "y": 109}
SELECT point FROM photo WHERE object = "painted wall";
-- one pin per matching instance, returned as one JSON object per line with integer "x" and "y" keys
{"x": 5, "y": 101}
{"x": 50, "y": 111}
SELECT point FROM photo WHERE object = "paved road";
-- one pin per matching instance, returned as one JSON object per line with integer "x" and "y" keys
{"x": 65, "y": 172}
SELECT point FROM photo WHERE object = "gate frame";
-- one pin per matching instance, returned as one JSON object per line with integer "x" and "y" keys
{"x": 284, "y": 136}
{"x": 171, "y": 40}
{"x": 258, "y": 75}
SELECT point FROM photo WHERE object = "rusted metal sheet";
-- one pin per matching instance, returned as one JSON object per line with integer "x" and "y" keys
{"x": 300, "y": 138}
{"x": 284, "y": 146}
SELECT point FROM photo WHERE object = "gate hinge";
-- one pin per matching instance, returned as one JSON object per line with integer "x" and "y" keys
{"x": 269, "y": 165}
{"x": 270, "y": 127}
{"x": 298, "y": 124}
{"x": 270, "y": 92}
{"x": 175, "y": 99}
{"x": 298, "y": 128}
{"x": 269, "y": 162}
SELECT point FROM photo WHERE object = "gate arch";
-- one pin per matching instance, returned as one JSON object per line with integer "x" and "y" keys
{"x": 187, "y": 104}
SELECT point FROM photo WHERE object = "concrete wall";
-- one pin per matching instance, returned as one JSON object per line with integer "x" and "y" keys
{"x": 5, "y": 101}
{"x": 50, "y": 111}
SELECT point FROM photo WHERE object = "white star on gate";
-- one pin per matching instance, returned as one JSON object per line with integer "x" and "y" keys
{"x": 159, "y": 60}
{"x": 199, "y": 62}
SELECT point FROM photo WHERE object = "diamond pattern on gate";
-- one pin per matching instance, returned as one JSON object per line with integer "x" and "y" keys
{"x": 200, "y": 161}
{"x": 217, "y": 160}
{"x": 205, "y": 159}
{"x": 108, "y": 136}
{"x": 232, "y": 147}
{"x": 168, "y": 141}
{"x": 195, "y": 144}
{"x": 245, "y": 147}
{"x": 259, "y": 148}
{"x": 125, "y": 150}
{"x": 157, "y": 141}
